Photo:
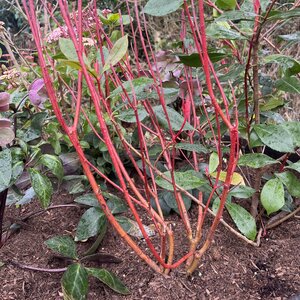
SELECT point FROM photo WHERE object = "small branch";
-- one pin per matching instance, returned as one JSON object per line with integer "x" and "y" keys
{"x": 278, "y": 222}
{"x": 26, "y": 267}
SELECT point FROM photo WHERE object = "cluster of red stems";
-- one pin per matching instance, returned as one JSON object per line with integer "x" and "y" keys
{"x": 162, "y": 257}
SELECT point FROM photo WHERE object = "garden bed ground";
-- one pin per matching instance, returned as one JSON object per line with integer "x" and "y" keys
{"x": 230, "y": 270}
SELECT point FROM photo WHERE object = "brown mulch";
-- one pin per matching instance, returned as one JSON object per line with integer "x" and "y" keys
{"x": 230, "y": 269}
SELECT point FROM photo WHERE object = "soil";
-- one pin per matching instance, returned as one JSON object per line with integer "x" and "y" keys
{"x": 231, "y": 269}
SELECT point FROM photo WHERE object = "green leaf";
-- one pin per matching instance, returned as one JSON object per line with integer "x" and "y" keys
{"x": 286, "y": 62}
{"x": 5, "y": 169}
{"x": 132, "y": 227}
{"x": 271, "y": 104}
{"x": 129, "y": 115}
{"x": 290, "y": 84}
{"x": 88, "y": 199}
{"x": 213, "y": 162}
{"x": 7, "y": 135}
{"x": 17, "y": 171}
{"x": 109, "y": 279}
{"x": 138, "y": 86}
{"x": 176, "y": 119}
{"x": 198, "y": 148}
{"x": 295, "y": 166}
{"x": 276, "y": 137}
{"x": 160, "y": 8}
{"x": 272, "y": 196}
{"x": 115, "y": 204}
{"x": 293, "y": 37}
{"x": 284, "y": 15}
{"x": 170, "y": 200}
{"x": 116, "y": 53}
{"x": 187, "y": 180}
{"x": 226, "y": 4}
{"x": 165, "y": 208}
{"x": 63, "y": 245}
{"x": 243, "y": 220}
{"x": 256, "y": 160}
{"x": 42, "y": 187}
{"x": 53, "y": 163}
{"x": 75, "y": 283}
{"x": 90, "y": 224}
{"x": 193, "y": 60}
{"x": 242, "y": 192}
{"x": 236, "y": 15}
{"x": 219, "y": 31}
{"x": 291, "y": 182}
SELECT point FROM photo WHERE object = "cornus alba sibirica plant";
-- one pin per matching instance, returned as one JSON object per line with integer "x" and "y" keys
{"x": 117, "y": 78}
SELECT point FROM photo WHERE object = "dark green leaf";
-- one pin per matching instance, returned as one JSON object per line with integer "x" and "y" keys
{"x": 109, "y": 279}
{"x": 256, "y": 160}
{"x": 75, "y": 283}
{"x": 116, "y": 53}
{"x": 187, "y": 180}
{"x": 62, "y": 245}
{"x": 90, "y": 224}
{"x": 236, "y": 15}
{"x": 291, "y": 182}
{"x": 220, "y": 31}
{"x": 170, "y": 200}
{"x": 5, "y": 169}
{"x": 176, "y": 119}
{"x": 53, "y": 163}
{"x": 42, "y": 187}
{"x": 191, "y": 147}
{"x": 165, "y": 208}
{"x": 284, "y": 15}
{"x": 272, "y": 196}
{"x": 193, "y": 60}
{"x": 243, "y": 220}
{"x": 129, "y": 115}
{"x": 88, "y": 199}
{"x": 286, "y": 62}
{"x": 160, "y": 8}
{"x": 115, "y": 204}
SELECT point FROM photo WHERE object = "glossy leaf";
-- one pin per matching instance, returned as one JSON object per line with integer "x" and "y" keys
{"x": 160, "y": 8}
{"x": 291, "y": 182}
{"x": 243, "y": 220}
{"x": 237, "y": 179}
{"x": 63, "y": 245}
{"x": 272, "y": 196}
{"x": 42, "y": 187}
{"x": 5, "y": 169}
{"x": 275, "y": 136}
{"x": 219, "y": 31}
{"x": 109, "y": 279}
{"x": 90, "y": 224}
{"x": 53, "y": 163}
{"x": 114, "y": 203}
{"x": 75, "y": 283}
{"x": 187, "y": 180}
{"x": 132, "y": 227}
{"x": 256, "y": 160}
{"x": 213, "y": 162}
{"x": 88, "y": 199}
{"x": 117, "y": 52}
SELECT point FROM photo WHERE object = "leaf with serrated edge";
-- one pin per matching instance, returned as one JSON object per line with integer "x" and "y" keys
{"x": 63, "y": 245}
{"x": 75, "y": 283}
{"x": 109, "y": 279}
